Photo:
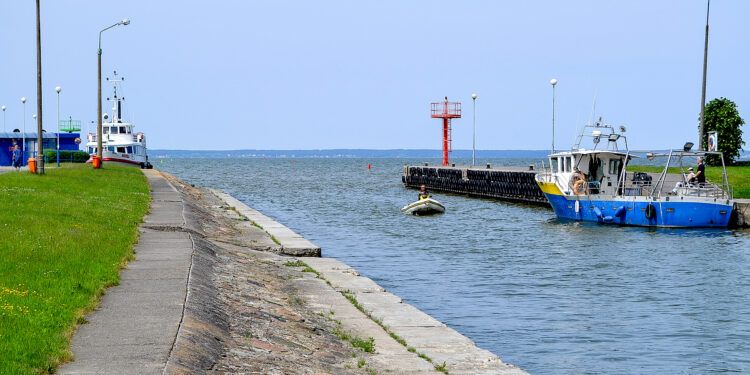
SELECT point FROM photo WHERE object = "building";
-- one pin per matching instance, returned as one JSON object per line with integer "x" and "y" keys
{"x": 68, "y": 142}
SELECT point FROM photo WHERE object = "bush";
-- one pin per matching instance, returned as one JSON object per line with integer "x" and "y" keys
{"x": 66, "y": 156}
{"x": 723, "y": 117}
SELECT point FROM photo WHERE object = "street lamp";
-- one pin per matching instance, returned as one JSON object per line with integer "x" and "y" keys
{"x": 39, "y": 126}
{"x": 3, "y": 107}
{"x": 99, "y": 152}
{"x": 553, "y": 82}
{"x": 474, "y": 142}
{"x": 23, "y": 135}
{"x": 58, "y": 89}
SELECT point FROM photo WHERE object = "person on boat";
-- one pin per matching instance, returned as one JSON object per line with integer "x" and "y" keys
{"x": 579, "y": 182}
{"x": 16, "y": 157}
{"x": 690, "y": 178}
{"x": 423, "y": 193}
{"x": 700, "y": 176}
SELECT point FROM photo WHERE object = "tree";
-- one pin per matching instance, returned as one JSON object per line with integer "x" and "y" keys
{"x": 722, "y": 117}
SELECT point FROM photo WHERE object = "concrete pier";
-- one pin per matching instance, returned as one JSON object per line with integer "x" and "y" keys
{"x": 511, "y": 184}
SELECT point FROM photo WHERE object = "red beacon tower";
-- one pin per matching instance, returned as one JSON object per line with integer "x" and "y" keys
{"x": 446, "y": 110}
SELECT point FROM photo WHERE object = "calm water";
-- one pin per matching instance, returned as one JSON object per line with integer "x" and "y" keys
{"x": 552, "y": 297}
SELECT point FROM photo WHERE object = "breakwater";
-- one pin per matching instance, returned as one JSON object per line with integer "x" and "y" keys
{"x": 513, "y": 184}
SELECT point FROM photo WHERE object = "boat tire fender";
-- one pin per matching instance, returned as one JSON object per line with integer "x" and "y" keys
{"x": 650, "y": 211}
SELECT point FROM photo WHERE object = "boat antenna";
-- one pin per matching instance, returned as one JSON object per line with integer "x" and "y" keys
{"x": 703, "y": 88}
{"x": 593, "y": 108}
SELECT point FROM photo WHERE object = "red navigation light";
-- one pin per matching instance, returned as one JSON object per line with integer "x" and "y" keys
{"x": 446, "y": 110}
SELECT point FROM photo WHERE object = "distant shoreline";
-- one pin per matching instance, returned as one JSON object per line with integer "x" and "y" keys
{"x": 354, "y": 153}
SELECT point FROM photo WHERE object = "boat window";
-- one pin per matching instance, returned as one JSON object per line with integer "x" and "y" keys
{"x": 121, "y": 150}
{"x": 568, "y": 163}
{"x": 91, "y": 150}
{"x": 129, "y": 130}
{"x": 114, "y": 130}
{"x": 615, "y": 166}
{"x": 122, "y": 130}
{"x": 111, "y": 148}
{"x": 130, "y": 149}
{"x": 105, "y": 130}
{"x": 553, "y": 165}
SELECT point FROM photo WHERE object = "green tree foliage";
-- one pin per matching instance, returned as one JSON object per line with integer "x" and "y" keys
{"x": 723, "y": 118}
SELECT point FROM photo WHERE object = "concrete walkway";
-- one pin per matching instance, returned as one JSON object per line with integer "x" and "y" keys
{"x": 134, "y": 328}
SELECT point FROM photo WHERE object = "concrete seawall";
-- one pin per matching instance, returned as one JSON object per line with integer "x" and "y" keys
{"x": 407, "y": 340}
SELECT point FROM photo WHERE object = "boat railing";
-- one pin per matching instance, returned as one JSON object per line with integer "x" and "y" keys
{"x": 706, "y": 190}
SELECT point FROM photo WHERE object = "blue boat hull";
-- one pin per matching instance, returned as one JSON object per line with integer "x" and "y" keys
{"x": 624, "y": 211}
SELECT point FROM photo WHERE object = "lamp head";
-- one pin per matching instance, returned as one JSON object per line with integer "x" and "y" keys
{"x": 473, "y": 96}
{"x": 33, "y": 116}
{"x": 126, "y": 21}
{"x": 23, "y": 100}
{"x": 3, "y": 107}
{"x": 688, "y": 146}
{"x": 58, "y": 89}
{"x": 553, "y": 82}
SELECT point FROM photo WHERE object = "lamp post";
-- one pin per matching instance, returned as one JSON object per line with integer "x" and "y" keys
{"x": 553, "y": 82}
{"x": 37, "y": 145}
{"x": 23, "y": 135}
{"x": 4, "y": 118}
{"x": 39, "y": 127}
{"x": 99, "y": 152}
{"x": 474, "y": 140}
{"x": 58, "y": 89}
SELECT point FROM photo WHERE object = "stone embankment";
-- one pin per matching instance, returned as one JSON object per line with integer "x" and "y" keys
{"x": 213, "y": 291}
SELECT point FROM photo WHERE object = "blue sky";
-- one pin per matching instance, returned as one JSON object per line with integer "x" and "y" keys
{"x": 361, "y": 74}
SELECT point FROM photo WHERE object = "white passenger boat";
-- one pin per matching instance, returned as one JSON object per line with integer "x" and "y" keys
{"x": 595, "y": 185}
{"x": 120, "y": 143}
{"x": 424, "y": 206}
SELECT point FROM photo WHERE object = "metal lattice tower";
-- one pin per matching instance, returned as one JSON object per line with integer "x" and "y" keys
{"x": 446, "y": 110}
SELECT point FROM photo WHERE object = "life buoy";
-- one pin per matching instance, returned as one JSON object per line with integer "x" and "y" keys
{"x": 578, "y": 184}
{"x": 650, "y": 211}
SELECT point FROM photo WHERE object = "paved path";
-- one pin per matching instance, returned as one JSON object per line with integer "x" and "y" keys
{"x": 134, "y": 328}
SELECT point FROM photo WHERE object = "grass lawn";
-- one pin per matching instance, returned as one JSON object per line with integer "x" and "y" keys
{"x": 738, "y": 176}
{"x": 64, "y": 237}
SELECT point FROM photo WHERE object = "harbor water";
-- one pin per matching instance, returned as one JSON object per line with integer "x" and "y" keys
{"x": 551, "y": 296}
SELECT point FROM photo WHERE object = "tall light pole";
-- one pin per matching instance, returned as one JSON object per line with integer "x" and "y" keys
{"x": 4, "y": 118}
{"x": 58, "y": 89}
{"x": 39, "y": 128}
{"x": 474, "y": 141}
{"x": 23, "y": 135}
{"x": 703, "y": 89}
{"x": 553, "y": 82}
{"x": 99, "y": 152}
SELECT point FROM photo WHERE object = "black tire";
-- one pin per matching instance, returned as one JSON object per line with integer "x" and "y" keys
{"x": 650, "y": 211}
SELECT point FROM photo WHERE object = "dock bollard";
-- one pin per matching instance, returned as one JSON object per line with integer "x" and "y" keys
{"x": 426, "y": 164}
{"x": 453, "y": 165}
{"x": 531, "y": 167}
{"x": 488, "y": 166}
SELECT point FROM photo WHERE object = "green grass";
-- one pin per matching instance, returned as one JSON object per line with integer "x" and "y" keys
{"x": 64, "y": 237}
{"x": 739, "y": 176}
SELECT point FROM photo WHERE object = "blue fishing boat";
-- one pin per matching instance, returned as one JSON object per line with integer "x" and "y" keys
{"x": 595, "y": 185}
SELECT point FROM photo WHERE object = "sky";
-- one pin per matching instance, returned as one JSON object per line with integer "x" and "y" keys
{"x": 207, "y": 75}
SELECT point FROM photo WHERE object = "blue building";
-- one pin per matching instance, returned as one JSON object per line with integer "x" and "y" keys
{"x": 68, "y": 141}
